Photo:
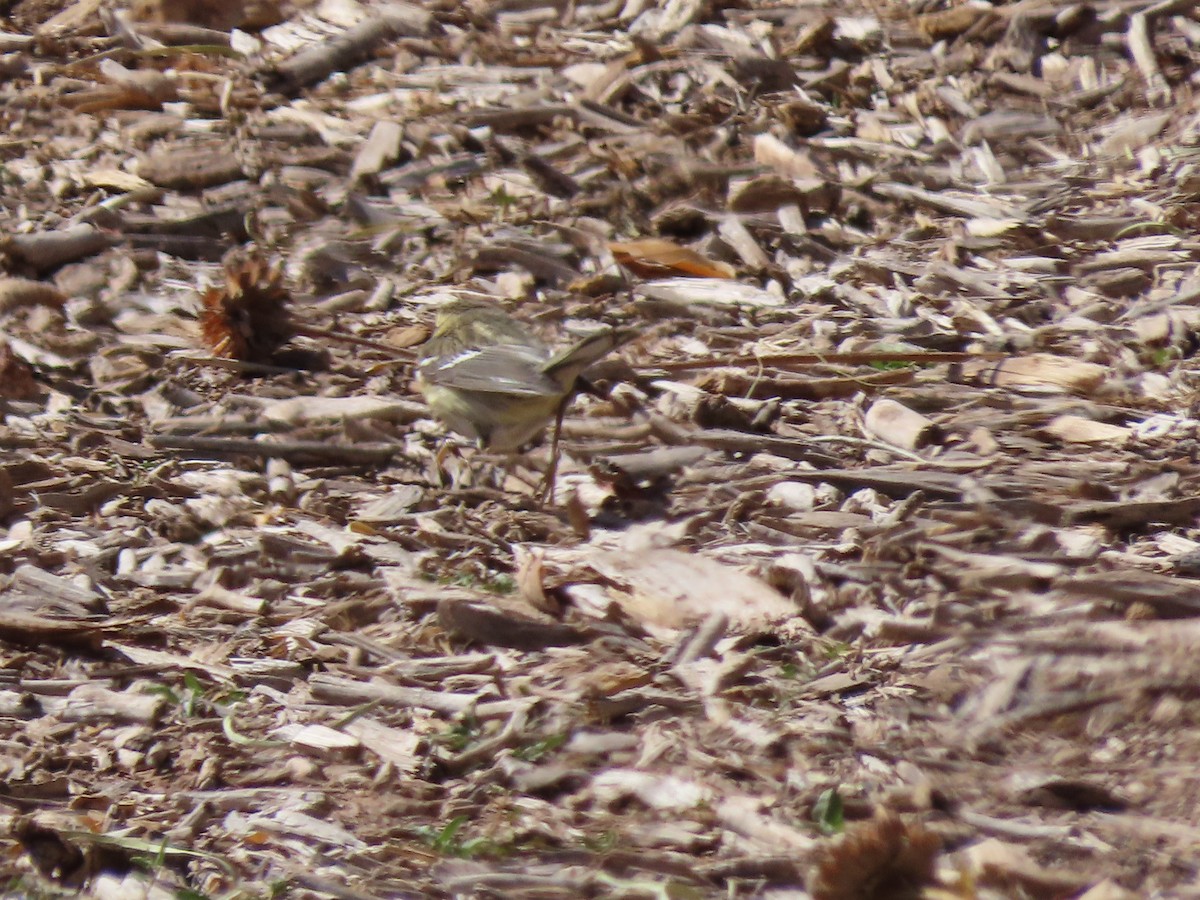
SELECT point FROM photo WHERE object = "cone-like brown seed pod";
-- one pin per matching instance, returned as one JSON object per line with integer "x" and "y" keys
{"x": 247, "y": 318}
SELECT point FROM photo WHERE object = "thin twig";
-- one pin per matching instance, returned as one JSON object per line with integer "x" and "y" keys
{"x": 401, "y": 353}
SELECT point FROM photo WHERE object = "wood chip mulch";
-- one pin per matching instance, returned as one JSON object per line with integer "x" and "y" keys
{"x": 873, "y": 564}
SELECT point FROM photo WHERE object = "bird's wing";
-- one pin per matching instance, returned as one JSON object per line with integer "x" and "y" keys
{"x": 500, "y": 369}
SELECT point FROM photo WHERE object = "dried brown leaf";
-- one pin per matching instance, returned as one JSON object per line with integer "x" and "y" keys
{"x": 407, "y": 336}
{"x": 54, "y": 856}
{"x": 191, "y": 168}
{"x": 673, "y": 589}
{"x": 658, "y": 258}
{"x": 502, "y": 625}
{"x": 16, "y": 376}
{"x": 221, "y": 15}
{"x": 949, "y": 23}
{"x": 531, "y": 573}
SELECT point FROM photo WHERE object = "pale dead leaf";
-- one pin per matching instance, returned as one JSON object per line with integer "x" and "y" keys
{"x": 988, "y": 227}
{"x": 654, "y": 790}
{"x": 770, "y": 151}
{"x": 686, "y": 292}
{"x": 1107, "y": 890}
{"x": 673, "y": 589}
{"x": 407, "y": 336}
{"x": 1041, "y": 371}
{"x": 531, "y": 572}
{"x": 998, "y": 864}
{"x": 118, "y": 180}
{"x": 1078, "y": 430}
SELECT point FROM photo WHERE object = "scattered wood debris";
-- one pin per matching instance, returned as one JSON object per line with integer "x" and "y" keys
{"x": 874, "y": 568}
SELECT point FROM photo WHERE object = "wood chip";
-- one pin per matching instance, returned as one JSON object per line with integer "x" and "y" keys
{"x": 1041, "y": 372}
{"x": 897, "y": 424}
{"x": 1078, "y": 430}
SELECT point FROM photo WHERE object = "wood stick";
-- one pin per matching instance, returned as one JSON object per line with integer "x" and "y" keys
{"x": 853, "y": 358}
{"x": 352, "y": 46}
{"x": 359, "y": 454}
{"x": 50, "y": 249}
{"x": 546, "y": 490}
{"x": 400, "y": 353}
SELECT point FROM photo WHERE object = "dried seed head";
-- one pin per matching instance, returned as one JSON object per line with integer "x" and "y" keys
{"x": 884, "y": 858}
{"x": 247, "y": 317}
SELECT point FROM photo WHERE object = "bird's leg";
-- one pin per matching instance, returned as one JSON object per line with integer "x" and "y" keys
{"x": 546, "y": 490}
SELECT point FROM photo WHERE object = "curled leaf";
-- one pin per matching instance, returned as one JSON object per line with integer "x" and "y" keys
{"x": 658, "y": 258}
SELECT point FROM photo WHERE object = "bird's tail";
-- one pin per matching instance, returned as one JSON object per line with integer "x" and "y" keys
{"x": 567, "y": 366}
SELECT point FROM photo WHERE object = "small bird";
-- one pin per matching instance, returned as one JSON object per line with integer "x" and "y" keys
{"x": 487, "y": 378}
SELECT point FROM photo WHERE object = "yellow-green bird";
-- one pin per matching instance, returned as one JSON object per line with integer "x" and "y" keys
{"x": 487, "y": 378}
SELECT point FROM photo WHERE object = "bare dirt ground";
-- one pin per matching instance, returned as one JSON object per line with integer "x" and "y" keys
{"x": 873, "y": 574}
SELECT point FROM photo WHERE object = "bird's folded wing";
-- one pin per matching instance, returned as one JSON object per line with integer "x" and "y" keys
{"x": 501, "y": 369}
